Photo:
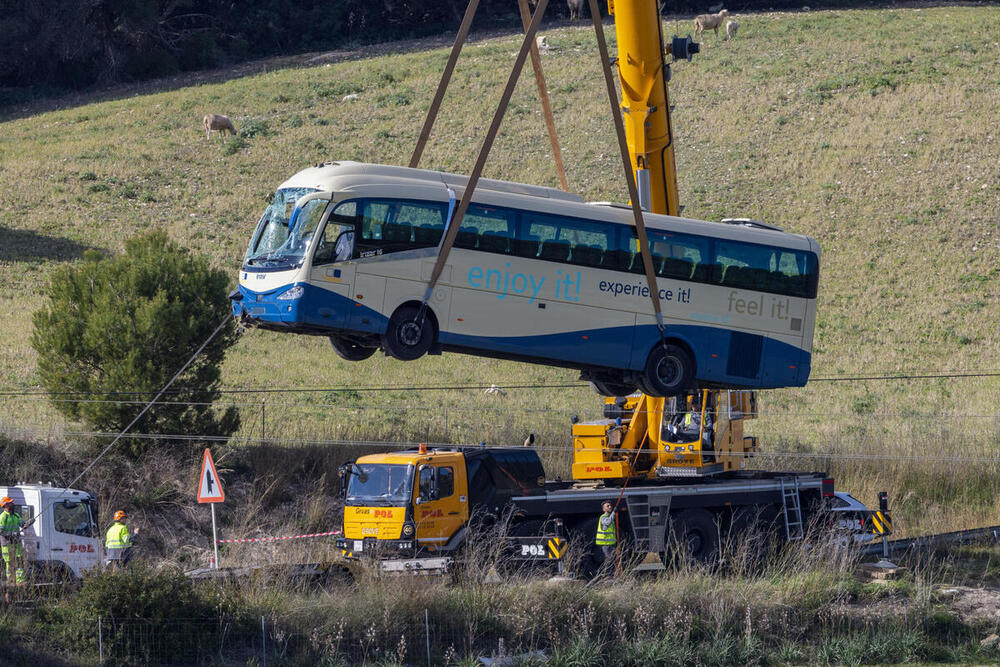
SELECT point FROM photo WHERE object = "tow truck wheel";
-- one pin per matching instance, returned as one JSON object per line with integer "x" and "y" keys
{"x": 49, "y": 572}
{"x": 669, "y": 371}
{"x": 345, "y": 349}
{"x": 695, "y": 538}
{"x": 410, "y": 334}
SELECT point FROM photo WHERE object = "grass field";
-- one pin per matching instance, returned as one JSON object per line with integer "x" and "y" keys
{"x": 873, "y": 131}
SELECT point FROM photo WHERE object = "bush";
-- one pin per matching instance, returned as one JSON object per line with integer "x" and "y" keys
{"x": 254, "y": 127}
{"x": 117, "y": 330}
{"x": 138, "y": 608}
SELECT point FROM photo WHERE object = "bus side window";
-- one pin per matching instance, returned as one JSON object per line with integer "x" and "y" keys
{"x": 491, "y": 224}
{"x": 337, "y": 242}
{"x": 374, "y": 215}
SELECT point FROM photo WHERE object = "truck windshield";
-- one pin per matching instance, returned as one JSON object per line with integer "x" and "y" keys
{"x": 274, "y": 244}
{"x": 383, "y": 484}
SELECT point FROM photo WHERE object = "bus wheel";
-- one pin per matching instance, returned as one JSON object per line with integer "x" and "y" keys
{"x": 406, "y": 338}
{"x": 695, "y": 537}
{"x": 612, "y": 388}
{"x": 345, "y": 349}
{"x": 669, "y": 371}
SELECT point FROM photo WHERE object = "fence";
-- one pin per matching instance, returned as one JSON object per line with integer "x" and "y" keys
{"x": 265, "y": 641}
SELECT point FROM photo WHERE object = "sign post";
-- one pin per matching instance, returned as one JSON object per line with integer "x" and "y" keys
{"x": 210, "y": 491}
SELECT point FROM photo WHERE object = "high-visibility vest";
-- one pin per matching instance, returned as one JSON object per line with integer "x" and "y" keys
{"x": 118, "y": 537}
{"x": 606, "y": 537}
{"x": 10, "y": 521}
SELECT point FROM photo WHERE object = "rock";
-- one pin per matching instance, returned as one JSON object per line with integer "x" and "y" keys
{"x": 990, "y": 642}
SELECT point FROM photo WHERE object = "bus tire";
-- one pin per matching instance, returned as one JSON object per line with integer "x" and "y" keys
{"x": 614, "y": 389}
{"x": 350, "y": 351}
{"x": 669, "y": 371}
{"x": 407, "y": 339}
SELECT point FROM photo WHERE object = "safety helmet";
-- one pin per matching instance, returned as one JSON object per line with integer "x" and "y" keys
{"x": 6, "y": 500}
{"x": 119, "y": 515}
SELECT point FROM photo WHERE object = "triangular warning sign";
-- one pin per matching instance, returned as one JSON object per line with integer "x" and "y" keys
{"x": 209, "y": 486}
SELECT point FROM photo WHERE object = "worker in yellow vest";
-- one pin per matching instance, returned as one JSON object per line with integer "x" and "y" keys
{"x": 118, "y": 543}
{"x": 11, "y": 524}
{"x": 607, "y": 536}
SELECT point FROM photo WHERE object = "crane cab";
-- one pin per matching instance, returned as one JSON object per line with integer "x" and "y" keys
{"x": 642, "y": 436}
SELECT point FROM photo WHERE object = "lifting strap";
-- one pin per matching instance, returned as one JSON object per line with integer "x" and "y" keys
{"x": 456, "y": 222}
{"x": 543, "y": 96}
{"x": 640, "y": 226}
{"x": 425, "y": 131}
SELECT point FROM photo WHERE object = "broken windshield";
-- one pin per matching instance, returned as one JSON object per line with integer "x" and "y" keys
{"x": 381, "y": 484}
{"x": 274, "y": 242}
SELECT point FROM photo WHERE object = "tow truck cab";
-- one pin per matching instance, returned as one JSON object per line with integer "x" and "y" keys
{"x": 420, "y": 500}
{"x": 62, "y": 537}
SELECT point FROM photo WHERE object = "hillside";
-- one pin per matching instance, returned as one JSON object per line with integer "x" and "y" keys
{"x": 871, "y": 130}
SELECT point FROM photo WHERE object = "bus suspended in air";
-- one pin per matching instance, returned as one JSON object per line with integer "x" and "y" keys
{"x": 346, "y": 249}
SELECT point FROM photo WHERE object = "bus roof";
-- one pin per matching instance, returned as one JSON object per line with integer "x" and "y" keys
{"x": 371, "y": 180}
{"x": 333, "y": 176}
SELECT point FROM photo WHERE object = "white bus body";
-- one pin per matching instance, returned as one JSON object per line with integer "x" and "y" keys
{"x": 536, "y": 274}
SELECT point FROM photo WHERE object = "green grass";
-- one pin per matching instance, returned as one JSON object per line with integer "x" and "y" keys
{"x": 870, "y": 130}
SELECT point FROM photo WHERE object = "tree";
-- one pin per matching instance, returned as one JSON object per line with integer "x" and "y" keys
{"x": 115, "y": 330}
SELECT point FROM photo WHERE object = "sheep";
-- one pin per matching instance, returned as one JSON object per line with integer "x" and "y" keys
{"x": 731, "y": 28}
{"x": 542, "y": 42}
{"x": 703, "y": 22}
{"x": 575, "y": 9}
{"x": 214, "y": 121}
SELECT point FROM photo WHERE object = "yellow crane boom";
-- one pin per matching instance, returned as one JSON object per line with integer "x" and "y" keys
{"x": 645, "y": 102}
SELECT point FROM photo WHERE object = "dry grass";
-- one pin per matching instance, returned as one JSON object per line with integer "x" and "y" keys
{"x": 871, "y": 130}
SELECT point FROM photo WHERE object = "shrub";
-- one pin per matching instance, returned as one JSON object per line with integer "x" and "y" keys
{"x": 254, "y": 127}
{"x": 140, "y": 611}
{"x": 127, "y": 324}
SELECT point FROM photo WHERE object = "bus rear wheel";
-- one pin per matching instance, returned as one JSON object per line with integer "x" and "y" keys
{"x": 410, "y": 333}
{"x": 349, "y": 350}
{"x": 669, "y": 371}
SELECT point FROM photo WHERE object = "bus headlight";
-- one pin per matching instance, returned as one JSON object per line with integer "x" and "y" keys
{"x": 294, "y": 293}
{"x": 408, "y": 530}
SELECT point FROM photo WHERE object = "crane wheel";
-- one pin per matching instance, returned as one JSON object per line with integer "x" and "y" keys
{"x": 694, "y": 538}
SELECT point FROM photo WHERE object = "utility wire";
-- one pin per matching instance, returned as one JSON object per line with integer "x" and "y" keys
{"x": 316, "y": 407}
{"x": 564, "y": 385}
{"x": 150, "y": 404}
{"x": 368, "y": 444}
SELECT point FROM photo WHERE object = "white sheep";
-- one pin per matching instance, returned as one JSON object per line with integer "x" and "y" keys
{"x": 214, "y": 121}
{"x": 731, "y": 28}
{"x": 703, "y": 22}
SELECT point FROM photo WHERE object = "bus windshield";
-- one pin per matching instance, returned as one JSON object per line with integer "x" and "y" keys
{"x": 274, "y": 243}
{"x": 383, "y": 484}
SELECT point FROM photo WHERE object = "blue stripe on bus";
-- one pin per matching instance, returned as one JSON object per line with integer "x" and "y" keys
{"x": 782, "y": 365}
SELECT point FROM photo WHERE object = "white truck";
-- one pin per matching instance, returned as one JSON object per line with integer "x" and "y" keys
{"x": 61, "y": 536}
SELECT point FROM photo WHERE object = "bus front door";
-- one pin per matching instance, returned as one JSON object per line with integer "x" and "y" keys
{"x": 332, "y": 276}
